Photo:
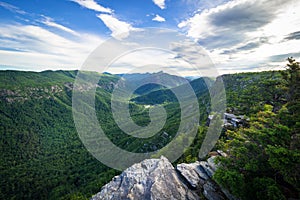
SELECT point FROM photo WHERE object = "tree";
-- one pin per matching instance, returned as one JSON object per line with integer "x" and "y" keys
{"x": 292, "y": 77}
{"x": 292, "y": 85}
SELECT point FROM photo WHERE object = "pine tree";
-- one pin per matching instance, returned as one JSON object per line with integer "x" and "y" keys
{"x": 292, "y": 83}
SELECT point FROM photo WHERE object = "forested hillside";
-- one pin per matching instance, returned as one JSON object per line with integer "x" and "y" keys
{"x": 42, "y": 156}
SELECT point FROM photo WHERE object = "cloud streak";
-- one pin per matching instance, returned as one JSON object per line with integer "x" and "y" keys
{"x": 50, "y": 22}
{"x": 293, "y": 36}
{"x": 92, "y": 5}
{"x": 12, "y": 8}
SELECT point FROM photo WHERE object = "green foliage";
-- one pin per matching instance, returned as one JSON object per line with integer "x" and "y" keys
{"x": 233, "y": 179}
{"x": 286, "y": 162}
{"x": 41, "y": 154}
{"x": 191, "y": 153}
{"x": 292, "y": 80}
{"x": 248, "y": 92}
{"x": 145, "y": 89}
{"x": 266, "y": 188}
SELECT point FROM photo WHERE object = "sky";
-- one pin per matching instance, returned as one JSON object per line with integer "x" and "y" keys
{"x": 237, "y": 35}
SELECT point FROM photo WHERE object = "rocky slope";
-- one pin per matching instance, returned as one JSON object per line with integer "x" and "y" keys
{"x": 155, "y": 179}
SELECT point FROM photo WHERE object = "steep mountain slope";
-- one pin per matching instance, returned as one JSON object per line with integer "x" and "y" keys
{"x": 42, "y": 156}
{"x": 247, "y": 92}
{"x": 137, "y": 79}
{"x": 40, "y": 148}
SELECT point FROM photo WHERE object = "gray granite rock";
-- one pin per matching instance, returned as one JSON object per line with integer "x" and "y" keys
{"x": 211, "y": 191}
{"x": 211, "y": 162}
{"x": 206, "y": 167}
{"x": 152, "y": 179}
{"x": 222, "y": 153}
{"x": 189, "y": 173}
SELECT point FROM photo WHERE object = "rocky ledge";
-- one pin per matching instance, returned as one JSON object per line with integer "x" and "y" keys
{"x": 154, "y": 179}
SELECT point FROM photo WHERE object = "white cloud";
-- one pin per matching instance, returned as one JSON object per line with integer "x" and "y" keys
{"x": 50, "y": 22}
{"x": 119, "y": 29}
{"x": 247, "y": 35}
{"x": 159, "y": 18}
{"x": 37, "y": 48}
{"x": 160, "y": 3}
{"x": 92, "y": 5}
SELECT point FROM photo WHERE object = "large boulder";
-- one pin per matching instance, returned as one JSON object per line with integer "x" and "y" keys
{"x": 151, "y": 179}
{"x": 193, "y": 173}
{"x": 199, "y": 174}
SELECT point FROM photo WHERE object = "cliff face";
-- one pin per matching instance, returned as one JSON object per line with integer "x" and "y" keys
{"x": 154, "y": 179}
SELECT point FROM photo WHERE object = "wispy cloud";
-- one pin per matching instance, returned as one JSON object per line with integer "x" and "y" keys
{"x": 92, "y": 5}
{"x": 50, "y": 22}
{"x": 12, "y": 8}
{"x": 159, "y": 18}
{"x": 293, "y": 36}
{"x": 35, "y": 47}
{"x": 160, "y": 3}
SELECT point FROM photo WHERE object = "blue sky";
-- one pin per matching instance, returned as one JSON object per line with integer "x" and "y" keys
{"x": 238, "y": 35}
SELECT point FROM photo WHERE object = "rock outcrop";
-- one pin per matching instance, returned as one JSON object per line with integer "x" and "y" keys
{"x": 156, "y": 179}
{"x": 150, "y": 179}
{"x": 199, "y": 176}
